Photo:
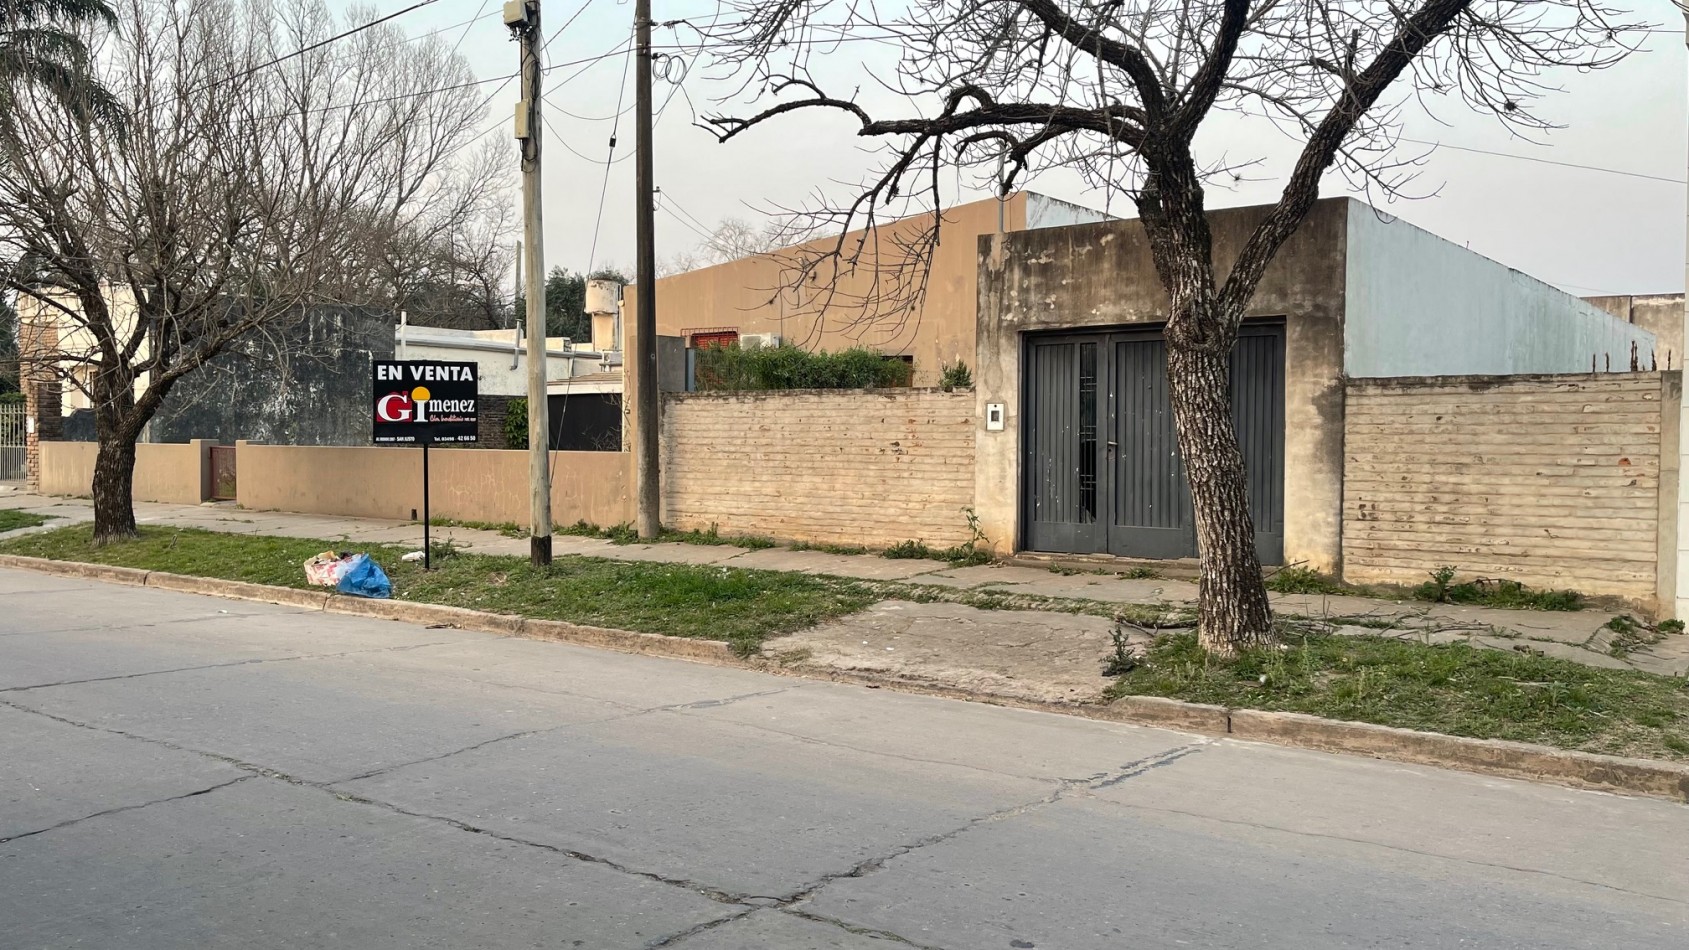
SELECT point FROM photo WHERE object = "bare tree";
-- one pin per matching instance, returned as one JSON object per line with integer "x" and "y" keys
{"x": 732, "y": 239}
{"x": 247, "y": 188}
{"x": 1119, "y": 91}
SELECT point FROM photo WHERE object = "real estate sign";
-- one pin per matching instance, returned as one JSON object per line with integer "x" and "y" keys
{"x": 424, "y": 401}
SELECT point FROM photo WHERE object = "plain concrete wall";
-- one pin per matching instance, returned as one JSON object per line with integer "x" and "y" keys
{"x": 174, "y": 473}
{"x": 1552, "y": 481}
{"x": 854, "y": 467}
{"x": 468, "y": 484}
{"x": 1418, "y": 305}
{"x": 1102, "y": 275}
{"x": 753, "y": 295}
{"x": 1659, "y": 314}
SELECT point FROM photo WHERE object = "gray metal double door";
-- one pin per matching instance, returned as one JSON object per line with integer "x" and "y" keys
{"x": 1101, "y": 463}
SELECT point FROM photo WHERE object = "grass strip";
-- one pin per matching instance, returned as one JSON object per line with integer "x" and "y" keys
{"x": 1453, "y": 688}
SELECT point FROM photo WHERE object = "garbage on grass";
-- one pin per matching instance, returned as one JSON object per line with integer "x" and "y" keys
{"x": 354, "y": 574}
{"x": 365, "y": 578}
{"x": 325, "y": 569}
{"x": 413, "y": 556}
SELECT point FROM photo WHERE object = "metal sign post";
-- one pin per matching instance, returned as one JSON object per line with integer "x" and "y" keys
{"x": 427, "y": 522}
{"x": 420, "y": 402}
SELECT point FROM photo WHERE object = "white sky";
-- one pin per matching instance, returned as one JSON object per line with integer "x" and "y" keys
{"x": 1589, "y": 232}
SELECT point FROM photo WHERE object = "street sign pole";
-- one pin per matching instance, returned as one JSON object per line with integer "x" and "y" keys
{"x": 427, "y": 522}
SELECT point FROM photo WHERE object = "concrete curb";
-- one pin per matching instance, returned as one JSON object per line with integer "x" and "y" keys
{"x": 1515, "y": 760}
{"x": 238, "y": 590}
{"x": 133, "y": 577}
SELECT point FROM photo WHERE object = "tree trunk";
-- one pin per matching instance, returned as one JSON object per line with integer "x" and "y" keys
{"x": 1232, "y": 608}
{"x": 113, "y": 489}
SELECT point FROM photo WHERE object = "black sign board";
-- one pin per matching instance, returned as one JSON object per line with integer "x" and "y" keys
{"x": 424, "y": 401}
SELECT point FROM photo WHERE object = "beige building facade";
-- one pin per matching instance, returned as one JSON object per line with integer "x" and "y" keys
{"x": 768, "y": 297}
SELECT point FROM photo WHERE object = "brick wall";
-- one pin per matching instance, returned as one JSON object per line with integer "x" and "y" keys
{"x": 489, "y": 428}
{"x": 843, "y": 467}
{"x": 43, "y": 420}
{"x": 1554, "y": 481}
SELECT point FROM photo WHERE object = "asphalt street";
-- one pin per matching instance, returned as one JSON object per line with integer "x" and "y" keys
{"x": 187, "y": 772}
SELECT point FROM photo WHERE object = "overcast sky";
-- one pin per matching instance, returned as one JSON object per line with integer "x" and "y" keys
{"x": 1586, "y": 231}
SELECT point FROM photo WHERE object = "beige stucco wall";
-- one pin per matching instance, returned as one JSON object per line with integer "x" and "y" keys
{"x": 856, "y": 467}
{"x": 1101, "y": 275}
{"x": 171, "y": 473}
{"x": 467, "y": 484}
{"x": 1553, "y": 481}
{"x": 754, "y": 295}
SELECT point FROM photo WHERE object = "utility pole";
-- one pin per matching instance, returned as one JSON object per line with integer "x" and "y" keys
{"x": 645, "y": 319}
{"x": 523, "y": 18}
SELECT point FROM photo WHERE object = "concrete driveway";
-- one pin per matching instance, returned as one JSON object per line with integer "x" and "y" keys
{"x": 190, "y": 772}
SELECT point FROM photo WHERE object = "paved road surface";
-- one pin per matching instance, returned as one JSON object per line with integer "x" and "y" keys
{"x": 185, "y": 772}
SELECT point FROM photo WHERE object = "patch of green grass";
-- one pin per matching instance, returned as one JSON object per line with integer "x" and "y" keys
{"x": 1490, "y": 592}
{"x": 1454, "y": 688}
{"x": 509, "y": 529}
{"x": 714, "y": 536}
{"x": 1141, "y": 574}
{"x": 825, "y": 548}
{"x": 11, "y": 520}
{"x": 625, "y": 533}
{"x": 1296, "y": 579}
{"x": 908, "y": 551}
{"x": 743, "y": 607}
{"x": 962, "y": 555}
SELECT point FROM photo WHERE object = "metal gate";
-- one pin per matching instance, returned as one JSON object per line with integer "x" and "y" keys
{"x": 11, "y": 442}
{"x": 223, "y": 473}
{"x": 1101, "y": 455}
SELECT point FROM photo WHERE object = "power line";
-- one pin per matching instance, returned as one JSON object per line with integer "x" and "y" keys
{"x": 466, "y": 25}
{"x": 604, "y": 189}
{"x": 322, "y": 43}
{"x": 678, "y": 207}
{"x": 663, "y": 206}
{"x": 1550, "y": 161}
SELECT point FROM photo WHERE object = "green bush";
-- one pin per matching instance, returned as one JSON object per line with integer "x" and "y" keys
{"x": 956, "y": 376}
{"x": 735, "y": 368}
{"x": 516, "y": 424}
{"x": 1487, "y": 592}
{"x": 10, "y": 398}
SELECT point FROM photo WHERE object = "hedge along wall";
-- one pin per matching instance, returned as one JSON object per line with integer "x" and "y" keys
{"x": 854, "y": 467}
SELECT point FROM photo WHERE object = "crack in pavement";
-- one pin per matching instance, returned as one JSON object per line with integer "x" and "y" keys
{"x": 858, "y": 930}
{"x": 694, "y": 930}
{"x": 1261, "y": 826}
{"x": 123, "y": 808}
{"x": 218, "y": 666}
{"x": 1063, "y": 788}
{"x": 749, "y": 902}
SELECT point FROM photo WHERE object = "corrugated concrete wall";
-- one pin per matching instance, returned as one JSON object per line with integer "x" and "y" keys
{"x": 1554, "y": 481}
{"x": 468, "y": 484}
{"x": 174, "y": 474}
{"x": 841, "y": 467}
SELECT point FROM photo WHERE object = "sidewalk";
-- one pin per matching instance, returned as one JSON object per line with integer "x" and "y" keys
{"x": 1032, "y": 654}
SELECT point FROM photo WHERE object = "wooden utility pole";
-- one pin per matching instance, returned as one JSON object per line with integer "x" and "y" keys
{"x": 645, "y": 319}
{"x": 524, "y": 20}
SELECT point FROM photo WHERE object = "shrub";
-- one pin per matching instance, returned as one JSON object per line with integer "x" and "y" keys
{"x": 1488, "y": 592}
{"x": 1296, "y": 579}
{"x": 734, "y": 368}
{"x": 516, "y": 423}
{"x": 956, "y": 376}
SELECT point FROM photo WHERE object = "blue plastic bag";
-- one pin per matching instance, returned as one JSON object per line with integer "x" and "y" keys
{"x": 364, "y": 578}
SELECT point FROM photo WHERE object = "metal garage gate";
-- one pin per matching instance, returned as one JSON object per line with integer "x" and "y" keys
{"x": 1102, "y": 472}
